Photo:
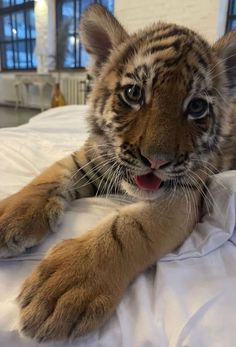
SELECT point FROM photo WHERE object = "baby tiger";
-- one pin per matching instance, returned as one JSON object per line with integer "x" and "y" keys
{"x": 162, "y": 119}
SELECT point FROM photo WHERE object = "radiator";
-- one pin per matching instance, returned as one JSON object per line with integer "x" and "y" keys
{"x": 8, "y": 91}
{"x": 74, "y": 90}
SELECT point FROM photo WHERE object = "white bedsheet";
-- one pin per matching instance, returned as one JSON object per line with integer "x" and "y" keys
{"x": 186, "y": 300}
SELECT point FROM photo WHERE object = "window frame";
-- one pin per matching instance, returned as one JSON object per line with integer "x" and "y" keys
{"x": 75, "y": 34}
{"x": 58, "y": 20}
{"x": 10, "y": 10}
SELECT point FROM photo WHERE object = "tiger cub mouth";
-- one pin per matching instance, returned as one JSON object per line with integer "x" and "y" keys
{"x": 148, "y": 182}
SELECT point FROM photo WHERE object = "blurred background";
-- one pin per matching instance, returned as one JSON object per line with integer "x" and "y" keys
{"x": 42, "y": 62}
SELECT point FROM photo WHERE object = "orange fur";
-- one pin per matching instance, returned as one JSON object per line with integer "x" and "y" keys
{"x": 79, "y": 283}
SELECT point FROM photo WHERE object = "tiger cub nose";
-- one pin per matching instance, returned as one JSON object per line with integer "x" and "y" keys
{"x": 156, "y": 163}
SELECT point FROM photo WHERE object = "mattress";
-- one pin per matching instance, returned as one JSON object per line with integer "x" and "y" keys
{"x": 185, "y": 300}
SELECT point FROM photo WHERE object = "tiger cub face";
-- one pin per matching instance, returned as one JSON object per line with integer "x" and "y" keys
{"x": 160, "y": 100}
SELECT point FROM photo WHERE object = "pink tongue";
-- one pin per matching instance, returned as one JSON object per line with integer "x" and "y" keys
{"x": 148, "y": 182}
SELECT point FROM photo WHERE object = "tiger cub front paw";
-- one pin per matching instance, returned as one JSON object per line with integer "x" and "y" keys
{"x": 25, "y": 219}
{"x": 69, "y": 294}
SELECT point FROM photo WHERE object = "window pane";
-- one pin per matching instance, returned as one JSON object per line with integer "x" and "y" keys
{"x": 9, "y": 56}
{"x": 31, "y": 58}
{"x": 108, "y": 4}
{"x": 77, "y": 16}
{"x": 4, "y": 3}
{"x": 15, "y": 54}
{"x": 18, "y": 22}
{"x": 78, "y": 48}
{"x": 70, "y": 56}
{"x": 30, "y": 17}
{"x": 71, "y": 10}
{"x": 18, "y": 2}
{"x": 18, "y": 31}
{"x": 85, "y": 4}
{"x": 84, "y": 58}
{"x": 22, "y": 58}
{"x": 234, "y": 7}
{"x": 7, "y": 28}
{"x": 232, "y": 24}
{"x": 34, "y": 59}
{"x": 68, "y": 10}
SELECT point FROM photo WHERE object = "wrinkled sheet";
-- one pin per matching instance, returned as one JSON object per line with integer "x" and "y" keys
{"x": 186, "y": 300}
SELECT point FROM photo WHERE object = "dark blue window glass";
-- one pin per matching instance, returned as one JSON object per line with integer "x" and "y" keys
{"x": 69, "y": 11}
{"x": 30, "y": 19}
{"x": 17, "y": 34}
{"x": 9, "y": 56}
{"x": 18, "y": 2}
{"x": 231, "y": 18}
{"x": 5, "y": 3}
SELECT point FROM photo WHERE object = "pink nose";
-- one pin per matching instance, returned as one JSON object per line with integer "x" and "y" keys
{"x": 156, "y": 164}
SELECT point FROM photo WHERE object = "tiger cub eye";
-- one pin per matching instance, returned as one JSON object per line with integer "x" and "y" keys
{"x": 197, "y": 108}
{"x": 133, "y": 94}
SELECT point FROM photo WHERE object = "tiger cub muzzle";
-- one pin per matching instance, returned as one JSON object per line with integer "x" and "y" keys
{"x": 154, "y": 171}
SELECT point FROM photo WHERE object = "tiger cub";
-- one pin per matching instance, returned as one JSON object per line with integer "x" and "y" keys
{"x": 161, "y": 121}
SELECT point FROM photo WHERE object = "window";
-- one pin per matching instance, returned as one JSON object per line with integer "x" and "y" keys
{"x": 17, "y": 34}
{"x": 231, "y": 18}
{"x": 69, "y": 11}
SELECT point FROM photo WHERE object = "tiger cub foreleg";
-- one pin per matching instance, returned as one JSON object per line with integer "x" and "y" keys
{"x": 78, "y": 285}
{"x": 28, "y": 215}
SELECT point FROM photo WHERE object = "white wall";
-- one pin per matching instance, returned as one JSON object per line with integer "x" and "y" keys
{"x": 200, "y": 15}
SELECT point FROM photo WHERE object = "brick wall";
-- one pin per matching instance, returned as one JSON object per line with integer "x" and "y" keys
{"x": 46, "y": 32}
{"x": 204, "y": 16}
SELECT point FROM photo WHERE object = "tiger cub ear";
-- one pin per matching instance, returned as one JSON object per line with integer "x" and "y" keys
{"x": 100, "y": 33}
{"x": 225, "y": 48}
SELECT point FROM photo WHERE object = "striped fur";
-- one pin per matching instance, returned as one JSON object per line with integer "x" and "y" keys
{"x": 171, "y": 65}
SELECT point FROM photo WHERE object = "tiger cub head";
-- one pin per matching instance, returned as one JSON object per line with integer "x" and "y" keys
{"x": 160, "y": 101}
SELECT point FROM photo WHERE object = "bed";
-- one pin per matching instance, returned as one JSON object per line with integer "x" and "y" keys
{"x": 185, "y": 300}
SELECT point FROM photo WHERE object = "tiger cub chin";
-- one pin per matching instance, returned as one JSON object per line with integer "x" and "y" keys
{"x": 162, "y": 120}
